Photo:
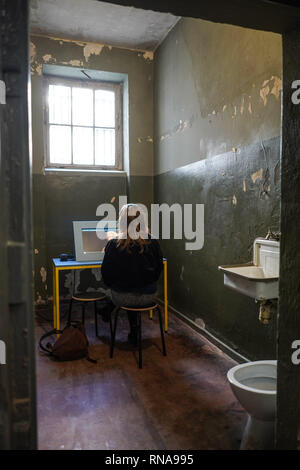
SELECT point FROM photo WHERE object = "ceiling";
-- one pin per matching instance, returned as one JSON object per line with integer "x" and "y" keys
{"x": 105, "y": 23}
{"x": 278, "y": 16}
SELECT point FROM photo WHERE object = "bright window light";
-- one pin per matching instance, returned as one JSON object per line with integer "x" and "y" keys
{"x": 82, "y": 127}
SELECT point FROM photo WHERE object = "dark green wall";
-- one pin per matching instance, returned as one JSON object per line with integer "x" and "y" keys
{"x": 195, "y": 285}
{"x": 217, "y": 127}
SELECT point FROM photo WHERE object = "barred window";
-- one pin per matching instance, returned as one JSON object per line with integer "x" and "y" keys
{"x": 83, "y": 124}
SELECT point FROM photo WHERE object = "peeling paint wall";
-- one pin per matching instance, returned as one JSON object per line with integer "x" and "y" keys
{"x": 218, "y": 88}
{"x": 217, "y": 142}
{"x": 60, "y": 198}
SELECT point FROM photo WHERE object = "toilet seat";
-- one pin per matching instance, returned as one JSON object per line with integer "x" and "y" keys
{"x": 254, "y": 386}
{"x": 259, "y": 369}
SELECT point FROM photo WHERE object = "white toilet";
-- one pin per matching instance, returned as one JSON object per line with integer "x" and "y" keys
{"x": 254, "y": 385}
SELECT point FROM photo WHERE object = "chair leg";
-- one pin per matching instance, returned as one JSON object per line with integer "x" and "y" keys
{"x": 161, "y": 331}
{"x": 112, "y": 344}
{"x": 83, "y": 312}
{"x": 110, "y": 326}
{"x": 139, "y": 321}
{"x": 96, "y": 318}
{"x": 70, "y": 311}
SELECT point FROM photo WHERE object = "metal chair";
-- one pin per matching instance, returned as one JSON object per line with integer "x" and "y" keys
{"x": 139, "y": 310}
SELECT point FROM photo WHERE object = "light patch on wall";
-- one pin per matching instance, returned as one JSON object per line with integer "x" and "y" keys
{"x": 181, "y": 273}
{"x": 74, "y": 62}
{"x": 272, "y": 86}
{"x": 39, "y": 300}
{"x": 90, "y": 49}
{"x": 32, "y": 51}
{"x": 68, "y": 284}
{"x": 165, "y": 136}
{"x": 264, "y": 93}
{"x": 244, "y": 186}
{"x": 200, "y": 322}
{"x": 243, "y": 105}
{"x": 145, "y": 139}
{"x": 148, "y": 55}
{"x": 48, "y": 57}
{"x": 97, "y": 273}
{"x": 34, "y": 67}
{"x": 277, "y": 86}
{"x": 257, "y": 175}
{"x": 234, "y": 200}
{"x": 183, "y": 125}
{"x": 43, "y": 273}
{"x": 38, "y": 69}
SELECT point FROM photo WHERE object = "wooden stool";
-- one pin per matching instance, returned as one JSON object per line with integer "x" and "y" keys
{"x": 139, "y": 310}
{"x": 84, "y": 299}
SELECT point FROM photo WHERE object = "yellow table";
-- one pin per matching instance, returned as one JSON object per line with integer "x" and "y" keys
{"x": 70, "y": 265}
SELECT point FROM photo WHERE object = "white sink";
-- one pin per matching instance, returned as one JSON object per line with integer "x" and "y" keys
{"x": 259, "y": 278}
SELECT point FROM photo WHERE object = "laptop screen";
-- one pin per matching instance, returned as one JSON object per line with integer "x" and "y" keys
{"x": 90, "y": 239}
{"x": 92, "y": 243}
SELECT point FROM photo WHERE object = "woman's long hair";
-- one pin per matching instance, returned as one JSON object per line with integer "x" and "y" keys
{"x": 136, "y": 234}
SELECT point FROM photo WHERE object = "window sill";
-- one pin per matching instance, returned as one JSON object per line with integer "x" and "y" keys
{"x": 84, "y": 171}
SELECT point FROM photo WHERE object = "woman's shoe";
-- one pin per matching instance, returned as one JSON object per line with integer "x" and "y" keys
{"x": 105, "y": 311}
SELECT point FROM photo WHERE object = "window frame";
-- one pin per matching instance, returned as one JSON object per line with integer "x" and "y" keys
{"x": 93, "y": 84}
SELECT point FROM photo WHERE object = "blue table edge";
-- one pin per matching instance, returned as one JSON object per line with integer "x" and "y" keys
{"x": 72, "y": 263}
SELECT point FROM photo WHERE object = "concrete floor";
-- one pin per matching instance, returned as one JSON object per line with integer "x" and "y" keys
{"x": 178, "y": 402}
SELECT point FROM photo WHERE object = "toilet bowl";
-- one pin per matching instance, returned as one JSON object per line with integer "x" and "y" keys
{"x": 254, "y": 385}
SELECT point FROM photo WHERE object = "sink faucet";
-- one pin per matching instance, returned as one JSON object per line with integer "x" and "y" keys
{"x": 272, "y": 235}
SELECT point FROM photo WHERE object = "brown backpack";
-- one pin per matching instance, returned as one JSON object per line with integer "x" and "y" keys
{"x": 72, "y": 343}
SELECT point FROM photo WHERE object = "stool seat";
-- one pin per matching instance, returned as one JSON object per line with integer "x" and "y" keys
{"x": 138, "y": 310}
{"x": 88, "y": 297}
{"x": 142, "y": 308}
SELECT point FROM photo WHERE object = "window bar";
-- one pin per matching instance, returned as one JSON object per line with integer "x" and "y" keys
{"x": 104, "y": 140}
{"x": 71, "y": 125}
{"x": 116, "y": 153}
{"x": 48, "y": 124}
{"x": 94, "y": 132}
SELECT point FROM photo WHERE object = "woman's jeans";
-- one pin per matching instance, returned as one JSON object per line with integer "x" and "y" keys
{"x": 129, "y": 299}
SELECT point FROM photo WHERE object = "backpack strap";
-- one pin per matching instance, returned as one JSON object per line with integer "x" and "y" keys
{"x": 94, "y": 361}
{"x": 48, "y": 348}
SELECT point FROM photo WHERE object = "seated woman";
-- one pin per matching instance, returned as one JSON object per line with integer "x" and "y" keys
{"x": 132, "y": 264}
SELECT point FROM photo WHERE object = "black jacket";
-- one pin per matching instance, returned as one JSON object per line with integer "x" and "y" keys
{"x": 131, "y": 271}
